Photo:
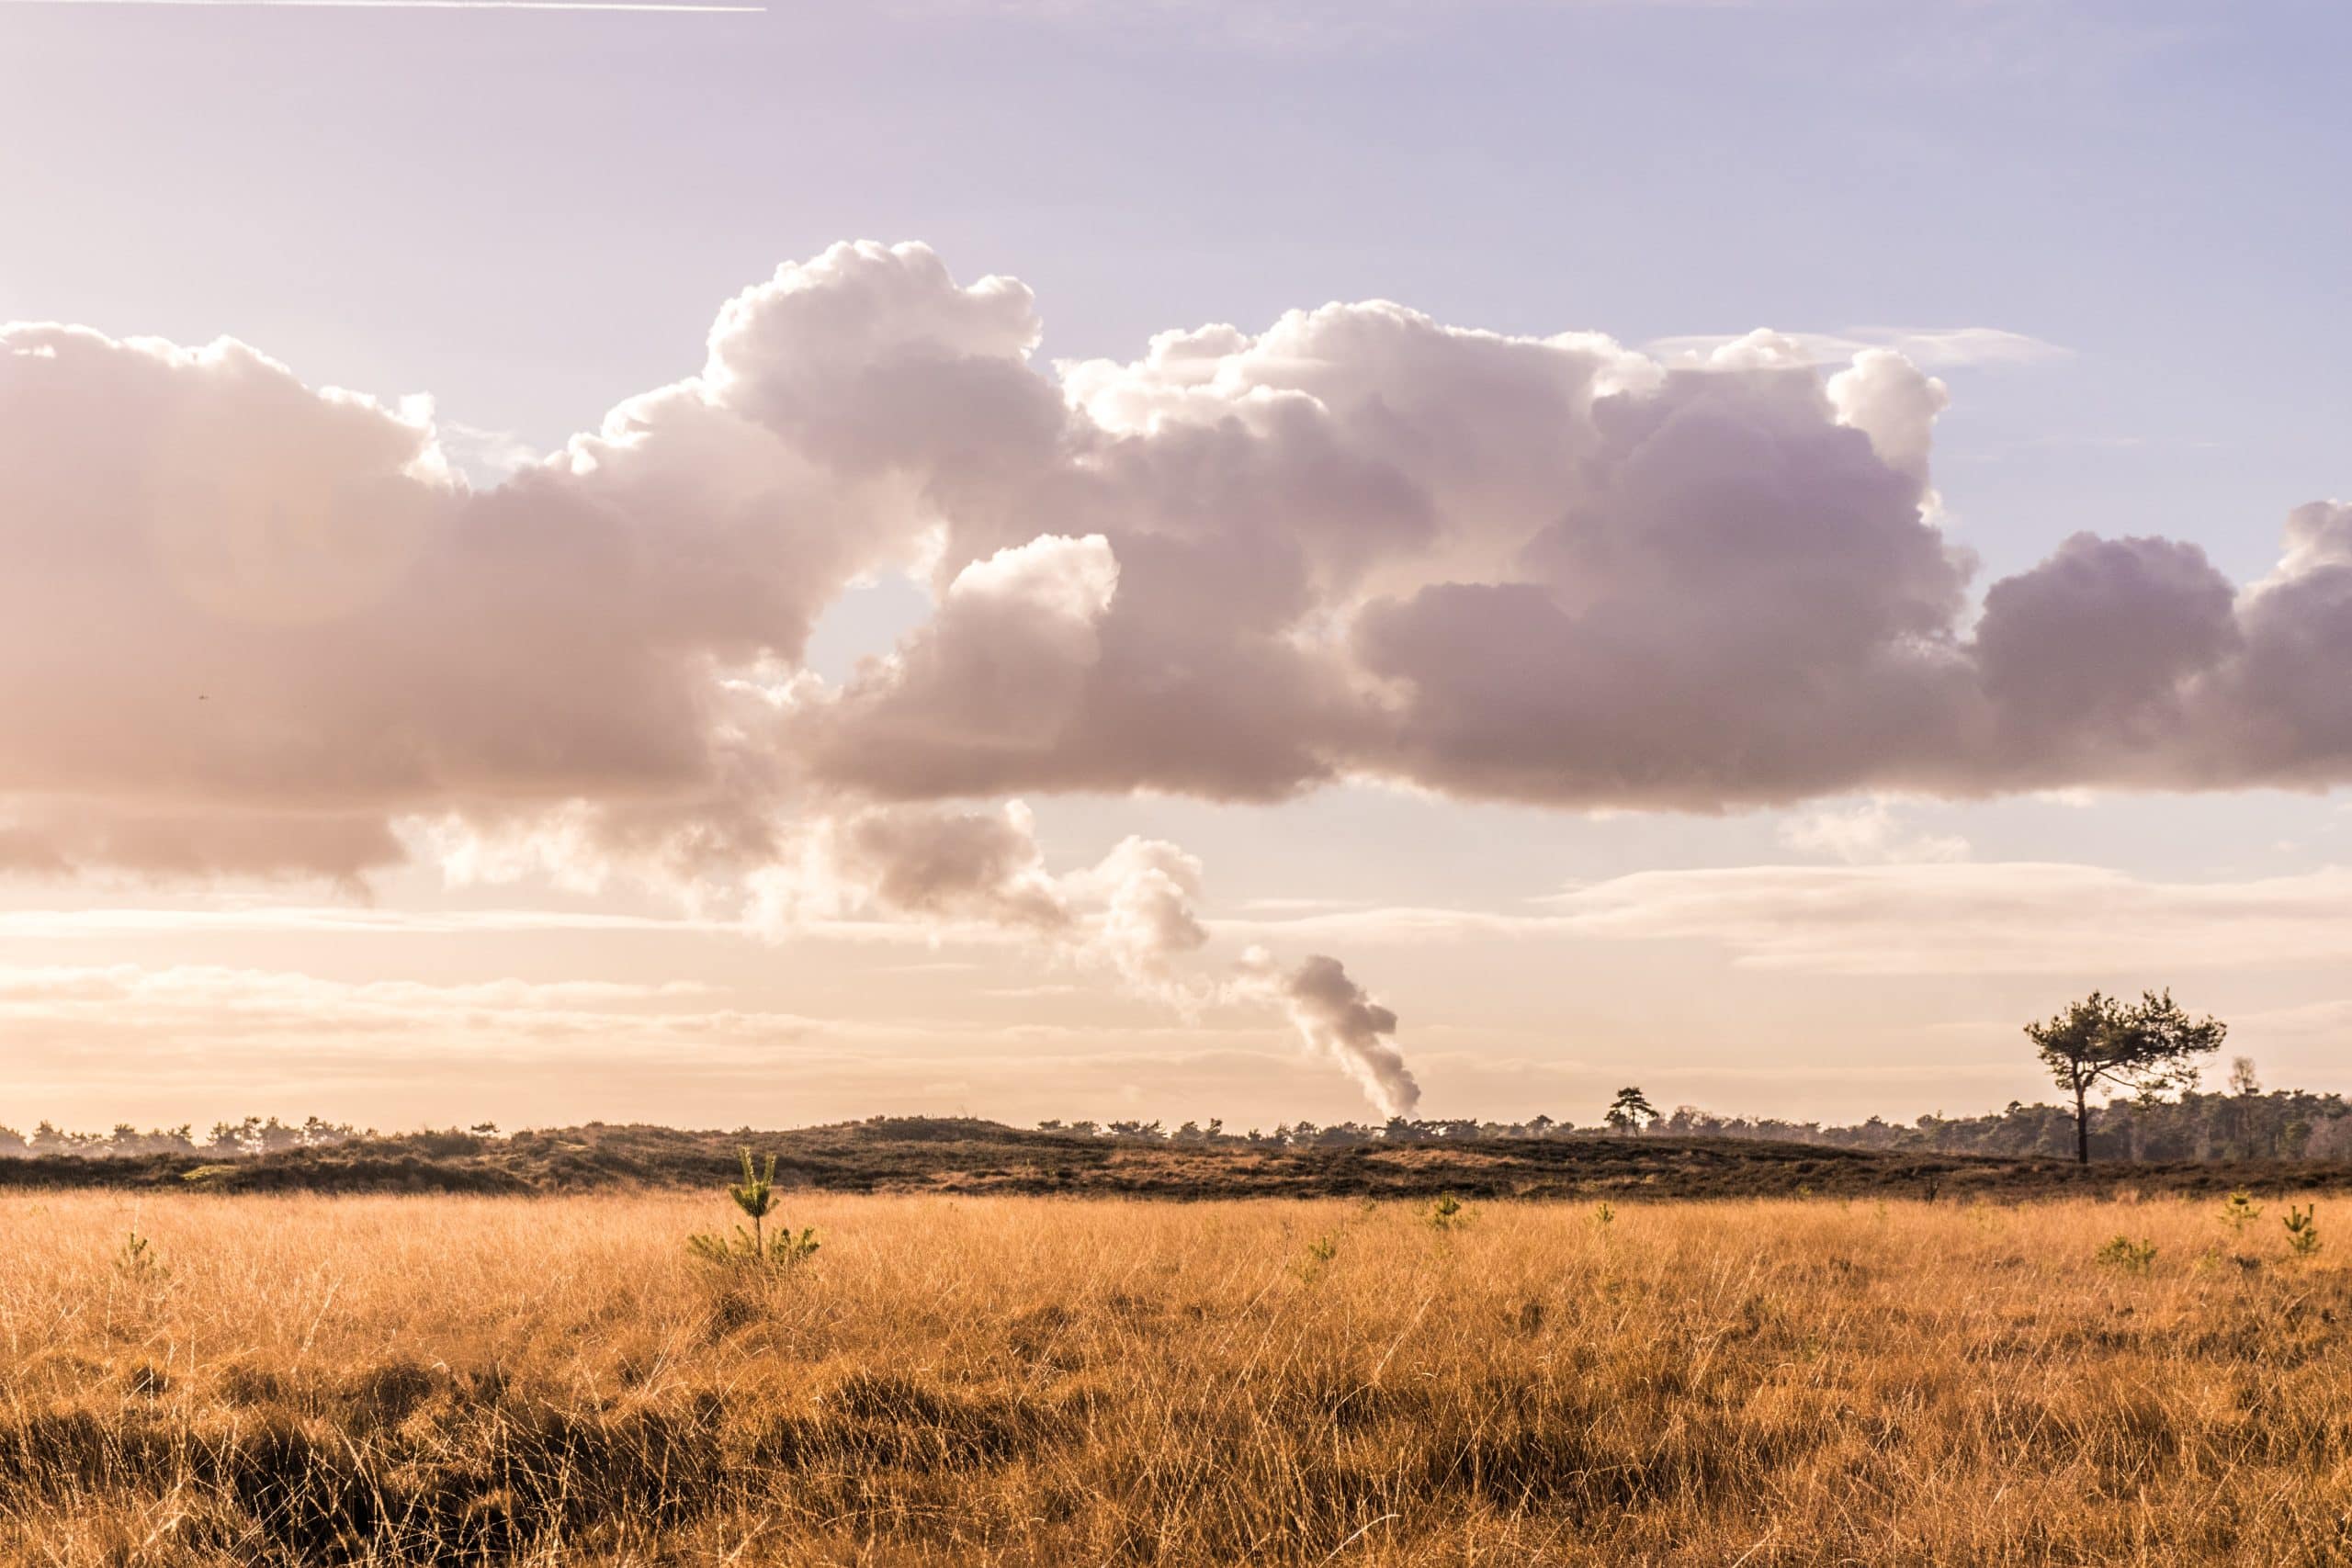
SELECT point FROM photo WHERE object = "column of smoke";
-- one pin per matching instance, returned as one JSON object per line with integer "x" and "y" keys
{"x": 1131, "y": 913}
{"x": 1337, "y": 1018}
{"x": 1147, "y": 923}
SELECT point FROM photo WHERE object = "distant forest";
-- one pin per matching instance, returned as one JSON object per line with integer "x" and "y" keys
{"x": 2279, "y": 1125}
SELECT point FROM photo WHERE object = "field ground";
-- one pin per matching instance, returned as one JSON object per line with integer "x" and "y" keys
{"x": 998, "y": 1380}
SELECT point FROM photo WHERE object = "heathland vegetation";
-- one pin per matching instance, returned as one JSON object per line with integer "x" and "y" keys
{"x": 281, "y": 1380}
{"x": 912, "y": 1155}
{"x": 2187, "y": 1140}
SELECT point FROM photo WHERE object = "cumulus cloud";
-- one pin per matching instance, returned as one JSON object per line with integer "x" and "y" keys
{"x": 1001, "y": 669}
{"x": 254, "y": 629}
{"x": 1895, "y": 403}
{"x": 256, "y": 626}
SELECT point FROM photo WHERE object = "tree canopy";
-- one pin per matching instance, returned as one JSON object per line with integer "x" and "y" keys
{"x": 1631, "y": 1110}
{"x": 2148, "y": 1048}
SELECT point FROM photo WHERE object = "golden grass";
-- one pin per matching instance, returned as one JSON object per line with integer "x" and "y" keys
{"x": 1013, "y": 1381}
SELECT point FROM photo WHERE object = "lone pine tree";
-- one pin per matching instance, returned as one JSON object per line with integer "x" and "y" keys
{"x": 2103, "y": 1041}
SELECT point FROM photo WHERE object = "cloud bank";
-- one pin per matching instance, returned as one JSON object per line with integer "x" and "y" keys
{"x": 252, "y": 628}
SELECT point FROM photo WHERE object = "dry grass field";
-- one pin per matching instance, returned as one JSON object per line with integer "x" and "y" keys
{"x": 997, "y": 1380}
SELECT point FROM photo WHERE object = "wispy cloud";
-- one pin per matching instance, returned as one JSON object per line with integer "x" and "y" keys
{"x": 1918, "y": 916}
{"x": 487, "y": 457}
{"x": 1867, "y": 831}
{"x": 1933, "y": 348}
{"x": 2012, "y": 918}
{"x": 1997, "y": 918}
{"x": 288, "y": 918}
{"x": 1279, "y": 25}
{"x": 77, "y": 1017}
{"x": 413, "y": 5}
{"x": 331, "y": 920}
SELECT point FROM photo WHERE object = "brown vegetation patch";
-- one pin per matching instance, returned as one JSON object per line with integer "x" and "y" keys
{"x": 931, "y": 1154}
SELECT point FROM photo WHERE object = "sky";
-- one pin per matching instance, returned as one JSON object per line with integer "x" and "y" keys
{"x": 1163, "y": 560}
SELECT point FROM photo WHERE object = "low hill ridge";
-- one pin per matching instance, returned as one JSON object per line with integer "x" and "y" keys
{"x": 970, "y": 1156}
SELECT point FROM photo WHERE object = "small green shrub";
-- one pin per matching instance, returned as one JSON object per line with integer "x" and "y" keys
{"x": 1603, "y": 1216}
{"x": 2302, "y": 1230}
{"x": 1447, "y": 1213}
{"x": 2241, "y": 1210}
{"x": 786, "y": 1249}
{"x": 137, "y": 1262}
{"x": 756, "y": 1197}
{"x": 2132, "y": 1258}
{"x": 1319, "y": 1253}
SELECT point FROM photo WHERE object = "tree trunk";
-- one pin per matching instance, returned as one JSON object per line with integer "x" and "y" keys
{"x": 2081, "y": 1128}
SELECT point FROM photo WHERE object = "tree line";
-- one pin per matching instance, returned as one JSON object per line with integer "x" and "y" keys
{"x": 2239, "y": 1122}
{"x": 2143, "y": 1055}
{"x": 227, "y": 1140}
{"x": 2279, "y": 1124}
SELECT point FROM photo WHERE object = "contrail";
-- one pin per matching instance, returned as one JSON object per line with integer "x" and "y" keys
{"x": 420, "y": 4}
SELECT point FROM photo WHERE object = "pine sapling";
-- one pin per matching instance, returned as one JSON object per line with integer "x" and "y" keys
{"x": 2241, "y": 1210}
{"x": 2302, "y": 1230}
{"x": 137, "y": 1262}
{"x": 756, "y": 1197}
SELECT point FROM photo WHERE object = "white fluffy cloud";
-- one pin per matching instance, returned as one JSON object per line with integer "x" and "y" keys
{"x": 254, "y": 628}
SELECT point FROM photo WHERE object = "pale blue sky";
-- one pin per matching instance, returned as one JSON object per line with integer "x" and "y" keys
{"x": 531, "y": 215}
